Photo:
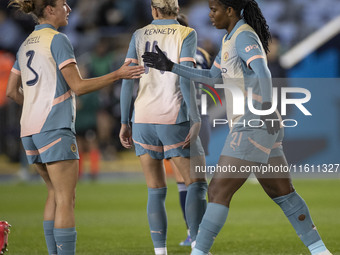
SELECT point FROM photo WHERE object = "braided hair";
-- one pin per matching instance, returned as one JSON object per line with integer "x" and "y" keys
{"x": 253, "y": 16}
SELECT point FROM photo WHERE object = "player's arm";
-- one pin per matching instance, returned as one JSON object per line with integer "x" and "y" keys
{"x": 82, "y": 86}
{"x": 187, "y": 58}
{"x": 62, "y": 52}
{"x": 161, "y": 62}
{"x": 14, "y": 90}
{"x": 125, "y": 134}
{"x": 249, "y": 50}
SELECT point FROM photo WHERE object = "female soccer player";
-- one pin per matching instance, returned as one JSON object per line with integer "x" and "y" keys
{"x": 44, "y": 79}
{"x": 161, "y": 124}
{"x": 242, "y": 62}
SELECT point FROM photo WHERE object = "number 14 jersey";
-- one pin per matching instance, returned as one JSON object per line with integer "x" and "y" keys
{"x": 159, "y": 99}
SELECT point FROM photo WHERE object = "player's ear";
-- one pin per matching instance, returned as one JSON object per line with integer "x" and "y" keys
{"x": 49, "y": 10}
{"x": 229, "y": 11}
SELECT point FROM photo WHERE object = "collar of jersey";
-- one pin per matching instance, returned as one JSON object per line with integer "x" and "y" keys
{"x": 164, "y": 22}
{"x": 42, "y": 26}
{"x": 238, "y": 24}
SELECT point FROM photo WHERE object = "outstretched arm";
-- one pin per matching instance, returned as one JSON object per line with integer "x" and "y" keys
{"x": 161, "y": 62}
{"x": 82, "y": 86}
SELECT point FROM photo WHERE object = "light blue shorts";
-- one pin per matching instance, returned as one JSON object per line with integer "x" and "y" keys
{"x": 254, "y": 145}
{"x": 164, "y": 141}
{"x": 50, "y": 146}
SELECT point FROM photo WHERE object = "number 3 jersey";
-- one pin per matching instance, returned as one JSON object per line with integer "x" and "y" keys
{"x": 160, "y": 99}
{"x": 49, "y": 103}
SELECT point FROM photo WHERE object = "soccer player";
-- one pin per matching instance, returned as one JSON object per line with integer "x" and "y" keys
{"x": 161, "y": 120}
{"x": 203, "y": 61}
{"x": 242, "y": 62}
{"x": 45, "y": 79}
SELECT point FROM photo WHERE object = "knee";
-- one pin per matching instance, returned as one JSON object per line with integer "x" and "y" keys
{"x": 66, "y": 199}
{"x": 220, "y": 195}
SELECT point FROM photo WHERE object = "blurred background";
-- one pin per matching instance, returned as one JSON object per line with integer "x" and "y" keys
{"x": 306, "y": 44}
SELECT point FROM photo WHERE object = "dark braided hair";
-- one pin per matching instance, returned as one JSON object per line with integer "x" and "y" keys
{"x": 253, "y": 16}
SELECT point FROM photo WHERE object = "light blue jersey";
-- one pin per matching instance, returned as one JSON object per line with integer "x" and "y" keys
{"x": 232, "y": 67}
{"x": 49, "y": 103}
{"x": 163, "y": 97}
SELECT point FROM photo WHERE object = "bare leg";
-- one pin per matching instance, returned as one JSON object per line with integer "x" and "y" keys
{"x": 50, "y": 205}
{"x": 64, "y": 176}
{"x": 276, "y": 187}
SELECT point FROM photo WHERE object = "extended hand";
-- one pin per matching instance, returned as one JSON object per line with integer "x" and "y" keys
{"x": 272, "y": 120}
{"x": 130, "y": 72}
{"x": 157, "y": 60}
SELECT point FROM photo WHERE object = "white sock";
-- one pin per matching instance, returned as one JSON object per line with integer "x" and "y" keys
{"x": 161, "y": 251}
{"x": 326, "y": 252}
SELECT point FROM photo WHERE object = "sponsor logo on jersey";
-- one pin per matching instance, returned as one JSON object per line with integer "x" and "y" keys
{"x": 251, "y": 47}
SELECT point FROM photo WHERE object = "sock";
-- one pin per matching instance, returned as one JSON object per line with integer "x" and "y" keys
{"x": 49, "y": 237}
{"x": 195, "y": 206}
{"x": 66, "y": 240}
{"x": 161, "y": 251}
{"x": 182, "y": 190}
{"x": 212, "y": 223}
{"x": 296, "y": 210}
{"x": 157, "y": 216}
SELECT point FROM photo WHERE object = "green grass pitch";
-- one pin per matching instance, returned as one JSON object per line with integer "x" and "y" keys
{"x": 111, "y": 219}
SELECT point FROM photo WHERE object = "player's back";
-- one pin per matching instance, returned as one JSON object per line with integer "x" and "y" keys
{"x": 159, "y": 97}
{"x": 48, "y": 100}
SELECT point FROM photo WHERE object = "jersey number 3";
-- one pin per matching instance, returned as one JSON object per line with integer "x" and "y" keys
{"x": 30, "y": 55}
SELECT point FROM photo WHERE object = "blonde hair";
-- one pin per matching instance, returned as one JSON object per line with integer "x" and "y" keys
{"x": 167, "y": 7}
{"x": 33, "y": 7}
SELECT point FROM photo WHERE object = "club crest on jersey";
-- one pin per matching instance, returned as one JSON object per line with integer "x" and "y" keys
{"x": 226, "y": 56}
{"x": 73, "y": 147}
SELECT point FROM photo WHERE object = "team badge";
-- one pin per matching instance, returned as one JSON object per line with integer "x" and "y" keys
{"x": 73, "y": 147}
{"x": 226, "y": 56}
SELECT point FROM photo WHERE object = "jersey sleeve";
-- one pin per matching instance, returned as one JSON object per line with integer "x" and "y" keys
{"x": 189, "y": 47}
{"x": 62, "y": 50}
{"x": 249, "y": 47}
{"x": 16, "y": 68}
{"x": 126, "y": 93}
{"x": 132, "y": 53}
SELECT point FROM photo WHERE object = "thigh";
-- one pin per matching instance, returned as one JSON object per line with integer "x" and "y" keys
{"x": 154, "y": 171}
{"x": 42, "y": 171}
{"x": 146, "y": 140}
{"x": 64, "y": 177}
{"x": 225, "y": 183}
{"x": 278, "y": 183}
{"x": 186, "y": 168}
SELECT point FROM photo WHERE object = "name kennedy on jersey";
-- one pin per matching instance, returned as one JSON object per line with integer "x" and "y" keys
{"x": 163, "y": 31}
